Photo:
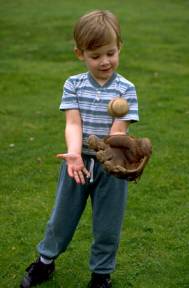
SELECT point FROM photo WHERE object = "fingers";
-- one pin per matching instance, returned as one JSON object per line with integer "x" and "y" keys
{"x": 76, "y": 168}
{"x": 86, "y": 172}
{"x": 66, "y": 156}
{"x": 79, "y": 176}
{"x": 60, "y": 156}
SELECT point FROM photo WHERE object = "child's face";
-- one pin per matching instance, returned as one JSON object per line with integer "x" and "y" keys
{"x": 101, "y": 62}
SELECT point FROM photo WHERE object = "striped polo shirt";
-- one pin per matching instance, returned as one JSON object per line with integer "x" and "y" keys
{"x": 83, "y": 92}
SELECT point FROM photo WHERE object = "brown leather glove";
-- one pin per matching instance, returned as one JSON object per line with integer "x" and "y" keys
{"x": 121, "y": 155}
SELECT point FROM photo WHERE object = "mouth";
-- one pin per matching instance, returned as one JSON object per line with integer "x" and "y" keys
{"x": 106, "y": 70}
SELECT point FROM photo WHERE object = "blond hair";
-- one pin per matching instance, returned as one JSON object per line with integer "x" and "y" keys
{"x": 95, "y": 29}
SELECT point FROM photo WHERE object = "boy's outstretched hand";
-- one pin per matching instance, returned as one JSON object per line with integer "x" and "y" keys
{"x": 76, "y": 167}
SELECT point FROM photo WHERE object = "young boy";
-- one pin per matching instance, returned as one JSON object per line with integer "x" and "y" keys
{"x": 85, "y": 100}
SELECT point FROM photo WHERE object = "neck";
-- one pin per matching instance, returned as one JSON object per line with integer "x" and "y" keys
{"x": 103, "y": 82}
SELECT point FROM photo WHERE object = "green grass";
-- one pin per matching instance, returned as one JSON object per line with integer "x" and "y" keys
{"x": 36, "y": 51}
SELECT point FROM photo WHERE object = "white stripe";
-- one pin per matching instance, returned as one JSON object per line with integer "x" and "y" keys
{"x": 82, "y": 95}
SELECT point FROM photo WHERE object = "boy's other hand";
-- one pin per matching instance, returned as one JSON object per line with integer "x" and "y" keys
{"x": 76, "y": 167}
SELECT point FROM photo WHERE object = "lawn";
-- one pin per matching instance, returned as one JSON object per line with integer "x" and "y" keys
{"x": 36, "y": 54}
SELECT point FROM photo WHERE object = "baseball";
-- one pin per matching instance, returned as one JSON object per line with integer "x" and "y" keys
{"x": 118, "y": 107}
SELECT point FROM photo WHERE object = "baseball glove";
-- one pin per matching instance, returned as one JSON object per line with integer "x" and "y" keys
{"x": 121, "y": 155}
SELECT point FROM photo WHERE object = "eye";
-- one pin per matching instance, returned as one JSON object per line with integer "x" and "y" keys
{"x": 111, "y": 53}
{"x": 94, "y": 57}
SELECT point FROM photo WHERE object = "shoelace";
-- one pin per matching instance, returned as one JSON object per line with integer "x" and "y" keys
{"x": 36, "y": 266}
{"x": 30, "y": 268}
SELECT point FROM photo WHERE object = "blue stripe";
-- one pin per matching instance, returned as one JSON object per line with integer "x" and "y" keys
{"x": 80, "y": 93}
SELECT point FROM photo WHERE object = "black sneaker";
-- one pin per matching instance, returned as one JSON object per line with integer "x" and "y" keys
{"x": 37, "y": 273}
{"x": 100, "y": 281}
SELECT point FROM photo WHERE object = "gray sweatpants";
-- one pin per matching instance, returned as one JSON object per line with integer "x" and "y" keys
{"x": 108, "y": 197}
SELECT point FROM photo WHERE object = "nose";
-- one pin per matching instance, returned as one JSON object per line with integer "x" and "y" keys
{"x": 104, "y": 61}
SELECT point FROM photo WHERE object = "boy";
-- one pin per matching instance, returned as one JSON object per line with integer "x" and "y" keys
{"x": 85, "y": 100}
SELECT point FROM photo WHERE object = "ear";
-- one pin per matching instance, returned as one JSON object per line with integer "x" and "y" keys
{"x": 120, "y": 47}
{"x": 78, "y": 53}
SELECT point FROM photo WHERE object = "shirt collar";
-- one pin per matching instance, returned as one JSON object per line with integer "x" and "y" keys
{"x": 96, "y": 84}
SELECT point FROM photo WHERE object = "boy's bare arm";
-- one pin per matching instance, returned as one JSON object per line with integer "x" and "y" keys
{"x": 73, "y": 136}
{"x": 73, "y": 131}
{"x": 119, "y": 127}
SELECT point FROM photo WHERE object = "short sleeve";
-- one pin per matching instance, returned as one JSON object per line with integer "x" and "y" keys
{"x": 131, "y": 96}
{"x": 69, "y": 97}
